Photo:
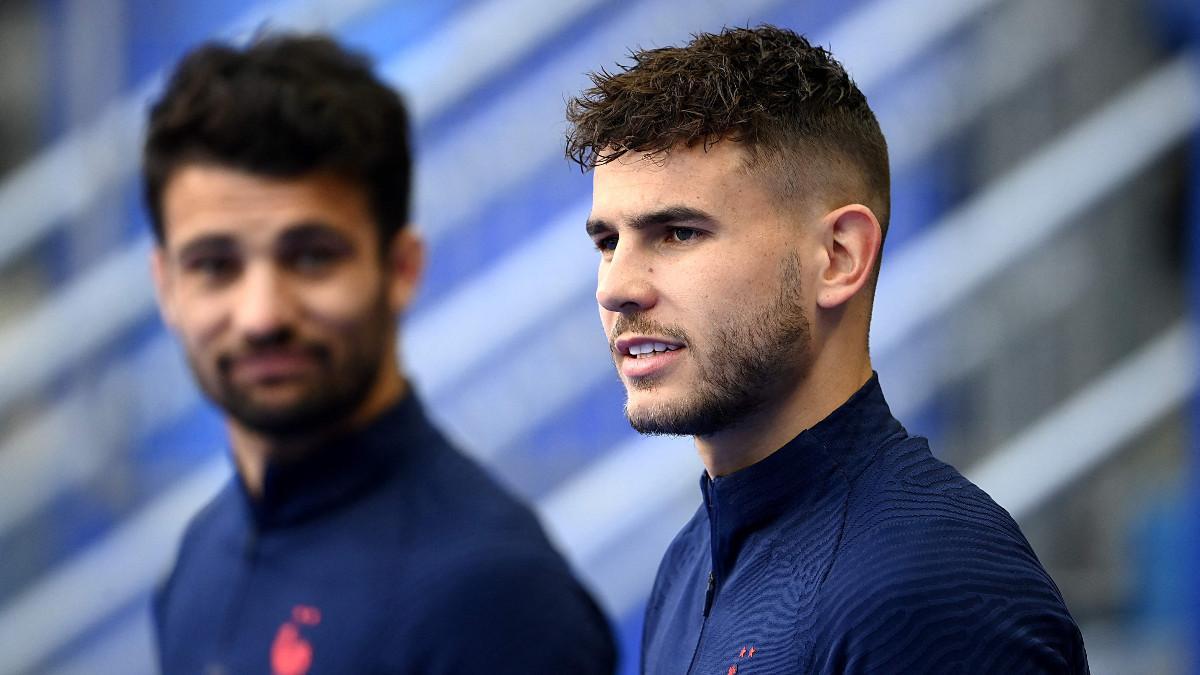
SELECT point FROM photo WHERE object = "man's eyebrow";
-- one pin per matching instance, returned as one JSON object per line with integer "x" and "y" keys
{"x": 597, "y": 226}
{"x": 310, "y": 231}
{"x": 207, "y": 245}
{"x": 657, "y": 218}
{"x": 669, "y": 216}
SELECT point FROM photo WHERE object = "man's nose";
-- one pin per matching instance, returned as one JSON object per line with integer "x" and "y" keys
{"x": 625, "y": 283}
{"x": 264, "y": 304}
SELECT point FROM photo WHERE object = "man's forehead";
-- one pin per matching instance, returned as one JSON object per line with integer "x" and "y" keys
{"x": 636, "y": 182}
{"x": 206, "y": 201}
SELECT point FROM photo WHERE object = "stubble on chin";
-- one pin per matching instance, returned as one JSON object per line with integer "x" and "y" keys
{"x": 651, "y": 410}
{"x": 332, "y": 394}
{"x": 748, "y": 360}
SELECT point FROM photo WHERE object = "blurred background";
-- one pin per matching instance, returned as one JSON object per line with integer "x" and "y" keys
{"x": 1034, "y": 318}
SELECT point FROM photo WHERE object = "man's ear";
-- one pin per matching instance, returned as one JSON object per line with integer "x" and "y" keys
{"x": 404, "y": 264}
{"x": 851, "y": 236}
{"x": 162, "y": 285}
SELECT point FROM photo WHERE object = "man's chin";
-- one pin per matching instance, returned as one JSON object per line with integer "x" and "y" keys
{"x": 666, "y": 413}
{"x": 284, "y": 413}
{"x": 296, "y": 405}
{"x": 275, "y": 421}
{"x": 658, "y": 415}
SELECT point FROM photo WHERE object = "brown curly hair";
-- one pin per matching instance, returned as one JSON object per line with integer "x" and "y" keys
{"x": 801, "y": 118}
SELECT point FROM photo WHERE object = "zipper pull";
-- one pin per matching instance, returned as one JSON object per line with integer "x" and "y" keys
{"x": 709, "y": 592}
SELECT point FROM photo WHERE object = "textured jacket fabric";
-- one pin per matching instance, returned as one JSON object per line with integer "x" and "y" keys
{"x": 853, "y": 550}
{"x": 386, "y": 552}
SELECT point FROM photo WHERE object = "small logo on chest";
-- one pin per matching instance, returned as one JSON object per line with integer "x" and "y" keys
{"x": 746, "y": 652}
{"x": 291, "y": 654}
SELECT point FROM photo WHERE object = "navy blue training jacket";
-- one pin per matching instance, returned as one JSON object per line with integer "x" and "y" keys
{"x": 853, "y": 550}
{"x": 386, "y": 552}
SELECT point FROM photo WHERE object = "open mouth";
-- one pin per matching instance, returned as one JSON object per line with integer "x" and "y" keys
{"x": 647, "y": 357}
{"x": 646, "y": 346}
{"x": 648, "y": 349}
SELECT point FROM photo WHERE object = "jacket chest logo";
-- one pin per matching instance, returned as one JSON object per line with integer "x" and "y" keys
{"x": 745, "y": 653}
{"x": 291, "y": 654}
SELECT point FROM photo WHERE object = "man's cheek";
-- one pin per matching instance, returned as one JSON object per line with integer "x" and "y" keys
{"x": 340, "y": 306}
{"x": 339, "y": 324}
{"x": 203, "y": 322}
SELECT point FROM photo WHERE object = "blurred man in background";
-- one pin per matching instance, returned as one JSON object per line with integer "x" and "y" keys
{"x": 353, "y": 538}
{"x": 740, "y": 200}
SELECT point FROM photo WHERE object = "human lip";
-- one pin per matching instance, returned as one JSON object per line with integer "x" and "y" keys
{"x": 272, "y": 365}
{"x": 642, "y": 356}
{"x": 637, "y": 346}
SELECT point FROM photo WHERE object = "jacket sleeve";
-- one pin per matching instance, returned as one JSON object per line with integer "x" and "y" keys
{"x": 939, "y": 598}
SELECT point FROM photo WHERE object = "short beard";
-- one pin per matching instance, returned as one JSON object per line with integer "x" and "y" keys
{"x": 329, "y": 402}
{"x": 745, "y": 367}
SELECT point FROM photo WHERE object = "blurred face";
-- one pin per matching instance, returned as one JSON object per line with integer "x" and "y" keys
{"x": 278, "y": 292}
{"x": 699, "y": 289}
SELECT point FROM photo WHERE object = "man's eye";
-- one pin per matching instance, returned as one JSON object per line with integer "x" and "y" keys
{"x": 682, "y": 233}
{"x": 212, "y": 267}
{"x": 607, "y": 244}
{"x": 312, "y": 259}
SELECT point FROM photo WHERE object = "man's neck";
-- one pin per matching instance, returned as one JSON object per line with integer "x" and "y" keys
{"x": 253, "y": 451}
{"x": 828, "y": 384}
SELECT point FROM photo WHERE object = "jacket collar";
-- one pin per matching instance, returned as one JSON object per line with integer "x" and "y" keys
{"x": 798, "y": 476}
{"x": 342, "y": 470}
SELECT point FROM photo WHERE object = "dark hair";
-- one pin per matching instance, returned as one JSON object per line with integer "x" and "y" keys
{"x": 284, "y": 106}
{"x": 789, "y": 102}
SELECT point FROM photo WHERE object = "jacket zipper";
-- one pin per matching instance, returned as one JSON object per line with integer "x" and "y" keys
{"x": 238, "y": 601}
{"x": 710, "y": 591}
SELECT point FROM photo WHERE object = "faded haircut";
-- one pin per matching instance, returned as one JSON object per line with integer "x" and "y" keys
{"x": 803, "y": 121}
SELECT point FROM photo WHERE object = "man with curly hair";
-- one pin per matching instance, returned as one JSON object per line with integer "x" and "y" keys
{"x": 740, "y": 202}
